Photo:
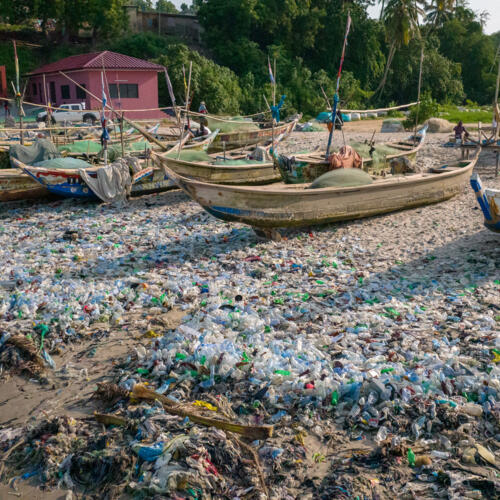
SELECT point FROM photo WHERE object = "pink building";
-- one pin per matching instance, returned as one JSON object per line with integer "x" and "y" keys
{"x": 130, "y": 83}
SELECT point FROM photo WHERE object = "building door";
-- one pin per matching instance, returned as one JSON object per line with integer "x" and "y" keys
{"x": 53, "y": 97}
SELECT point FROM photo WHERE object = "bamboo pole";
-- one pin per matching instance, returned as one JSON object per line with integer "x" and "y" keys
{"x": 188, "y": 103}
{"x": 47, "y": 118}
{"x": 144, "y": 132}
{"x": 495, "y": 102}
{"x": 418, "y": 92}
{"x": 250, "y": 431}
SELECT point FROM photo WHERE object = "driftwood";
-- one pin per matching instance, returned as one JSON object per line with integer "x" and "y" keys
{"x": 249, "y": 431}
{"x": 106, "y": 419}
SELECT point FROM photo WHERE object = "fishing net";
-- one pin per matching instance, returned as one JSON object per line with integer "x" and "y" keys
{"x": 379, "y": 155}
{"x": 93, "y": 147}
{"x": 63, "y": 163}
{"x": 202, "y": 156}
{"x": 4, "y": 159}
{"x": 343, "y": 177}
{"x": 190, "y": 155}
{"x": 234, "y": 125}
{"x": 83, "y": 147}
{"x": 235, "y": 162}
{"x": 40, "y": 150}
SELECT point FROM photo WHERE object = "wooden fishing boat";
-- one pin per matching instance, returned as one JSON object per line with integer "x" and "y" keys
{"x": 245, "y": 138}
{"x": 251, "y": 166}
{"x": 300, "y": 168}
{"x": 16, "y": 185}
{"x": 294, "y": 205}
{"x": 68, "y": 183}
{"x": 489, "y": 201}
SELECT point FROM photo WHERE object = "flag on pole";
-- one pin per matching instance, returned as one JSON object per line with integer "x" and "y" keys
{"x": 271, "y": 76}
{"x": 169, "y": 86}
{"x": 336, "y": 98}
{"x": 16, "y": 63}
{"x": 104, "y": 98}
{"x": 347, "y": 29}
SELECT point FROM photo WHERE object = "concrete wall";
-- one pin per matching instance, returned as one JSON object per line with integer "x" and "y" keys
{"x": 147, "y": 82}
{"x": 183, "y": 26}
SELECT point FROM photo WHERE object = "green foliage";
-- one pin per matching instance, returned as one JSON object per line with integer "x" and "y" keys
{"x": 428, "y": 108}
{"x": 28, "y": 59}
{"x": 304, "y": 36}
{"x": 454, "y": 115}
{"x": 216, "y": 85}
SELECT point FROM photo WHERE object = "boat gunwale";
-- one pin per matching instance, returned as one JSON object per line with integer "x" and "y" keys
{"x": 302, "y": 188}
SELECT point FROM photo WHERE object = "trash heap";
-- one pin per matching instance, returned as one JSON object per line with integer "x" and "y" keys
{"x": 370, "y": 358}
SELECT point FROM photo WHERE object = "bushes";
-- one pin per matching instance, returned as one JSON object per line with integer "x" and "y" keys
{"x": 217, "y": 85}
{"x": 427, "y": 109}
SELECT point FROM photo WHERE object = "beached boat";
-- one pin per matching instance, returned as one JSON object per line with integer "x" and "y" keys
{"x": 244, "y": 138}
{"x": 69, "y": 183}
{"x": 234, "y": 168}
{"x": 16, "y": 185}
{"x": 489, "y": 201}
{"x": 241, "y": 166}
{"x": 300, "y": 168}
{"x": 288, "y": 205}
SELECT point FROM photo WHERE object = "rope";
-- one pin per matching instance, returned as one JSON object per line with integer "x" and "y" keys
{"x": 53, "y": 108}
{"x": 379, "y": 109}
{"x": 219, "y": 119}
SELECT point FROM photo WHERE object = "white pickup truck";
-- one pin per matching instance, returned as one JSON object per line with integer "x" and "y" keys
{"x": 70, "y": 113}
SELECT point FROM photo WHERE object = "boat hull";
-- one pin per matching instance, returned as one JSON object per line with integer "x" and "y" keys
{"x": 69, "y": 184}
{"x": 283, "y": 205}
{"x": 235, "y": 140}
{"x": 489, "y": 202}
{"x": 15, "y": 186}
{"x": 255, "y": 173}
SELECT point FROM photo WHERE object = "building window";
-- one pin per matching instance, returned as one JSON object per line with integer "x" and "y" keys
{"x": 65, "y": 92}
{"x": 35, "y": 88}
{"x": 127, "y": 91}
{"x": 53, "y": 96}
{"x": 80, "y": 93}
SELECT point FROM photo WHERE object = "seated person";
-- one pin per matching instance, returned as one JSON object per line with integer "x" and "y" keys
{"x": 460, "y": 131}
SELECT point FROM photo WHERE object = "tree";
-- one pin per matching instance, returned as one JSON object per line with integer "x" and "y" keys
{"x": 144, "y": 5}
{"x": 107, "y": 18}
{"x": 401, "y": 20}
{"x": 216, "y": 85}
{"x": 166, "y": 7}
{"x": 438, "y": 11}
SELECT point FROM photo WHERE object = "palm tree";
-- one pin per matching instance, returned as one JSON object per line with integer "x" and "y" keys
{"x": 438, "y": 11}
{"x": 382, "y": 9}
{"x": 401, "y": 25}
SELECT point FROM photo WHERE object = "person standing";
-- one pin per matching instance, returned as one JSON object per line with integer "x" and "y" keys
{"x": 203, "y": 108}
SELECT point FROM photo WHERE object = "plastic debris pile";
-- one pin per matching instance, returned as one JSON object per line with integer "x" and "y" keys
{"x": 375, "y": 357}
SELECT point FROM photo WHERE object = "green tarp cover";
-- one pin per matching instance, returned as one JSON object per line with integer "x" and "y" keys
{"x": 63, "y": 163}
{"x": 40, "y": 150}
{"x": 342, "y": 177}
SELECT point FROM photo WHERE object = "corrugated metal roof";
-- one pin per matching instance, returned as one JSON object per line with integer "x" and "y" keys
{"x": 96, "y": 60}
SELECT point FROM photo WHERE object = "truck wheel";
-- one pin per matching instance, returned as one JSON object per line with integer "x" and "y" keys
{"x": 90, "y": 119}
{"x": 52, "y": 120}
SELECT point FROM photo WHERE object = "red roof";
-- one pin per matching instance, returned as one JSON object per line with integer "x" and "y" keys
{"x": 96, "y": 60}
